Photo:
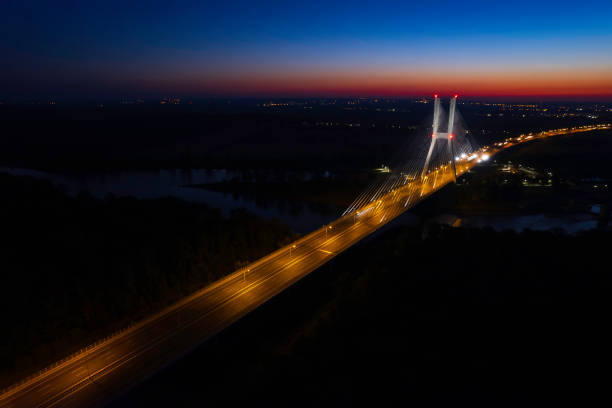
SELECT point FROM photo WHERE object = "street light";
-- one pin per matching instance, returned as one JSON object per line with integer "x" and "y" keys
{"x": 244, "y": 271}
{"x": 290, "y": 248}
{"x": 328, "y": 228}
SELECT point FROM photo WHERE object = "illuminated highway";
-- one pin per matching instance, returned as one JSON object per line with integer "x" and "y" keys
{"x": 105, "y": 370}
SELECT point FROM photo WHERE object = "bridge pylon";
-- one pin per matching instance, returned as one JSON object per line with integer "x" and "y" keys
{"x": 448, "y": 136}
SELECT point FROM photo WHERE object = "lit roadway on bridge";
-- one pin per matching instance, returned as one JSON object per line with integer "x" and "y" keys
{"x": 109, "y": 368}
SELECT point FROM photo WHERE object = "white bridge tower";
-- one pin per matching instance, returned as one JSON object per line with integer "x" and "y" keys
{"x": 448, "y": 135}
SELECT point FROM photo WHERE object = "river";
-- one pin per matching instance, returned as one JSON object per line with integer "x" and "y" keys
{"x": 146, "y": 184}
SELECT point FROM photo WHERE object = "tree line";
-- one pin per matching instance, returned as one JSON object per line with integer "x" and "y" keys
{"x": 76, "y": 268}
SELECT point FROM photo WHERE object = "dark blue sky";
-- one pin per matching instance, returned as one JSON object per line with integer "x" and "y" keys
{"x": 187, "y": 47}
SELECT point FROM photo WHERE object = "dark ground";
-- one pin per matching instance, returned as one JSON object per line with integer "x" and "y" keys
{"x": 467, "y": 316}
{"x": 572, "y": 157}
{"x": 241, "y": 134}
{"x": 75, "y": 269}
{"x": 464, "y": 316}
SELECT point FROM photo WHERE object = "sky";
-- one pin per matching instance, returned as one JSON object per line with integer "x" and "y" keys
{"x": 537, "y": 49}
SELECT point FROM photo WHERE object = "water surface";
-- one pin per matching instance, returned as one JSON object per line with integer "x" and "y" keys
{"x": 300, "y": 216}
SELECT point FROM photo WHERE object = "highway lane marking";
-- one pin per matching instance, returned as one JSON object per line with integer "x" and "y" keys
{"x": 105, "y": 370}
{"x": 55, "y": 399}
{"x": 118, "y": 363}
{"x": 221, "y": 284}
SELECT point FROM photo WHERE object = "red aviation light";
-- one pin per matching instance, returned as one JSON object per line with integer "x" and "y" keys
{"x": 433, "y": 135}
{"x": 451, "y": 135}
{"x": 435, "y": 95}
{"x": 456, "y": 96}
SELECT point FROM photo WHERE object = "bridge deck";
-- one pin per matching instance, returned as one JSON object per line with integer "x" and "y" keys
{"x": 109, "y": 368}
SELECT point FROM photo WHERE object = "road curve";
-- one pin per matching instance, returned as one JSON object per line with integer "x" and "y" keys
{"x": 105, "y": 370}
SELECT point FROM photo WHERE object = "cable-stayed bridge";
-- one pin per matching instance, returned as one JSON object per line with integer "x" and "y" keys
{"x": 427, "y": 165}
{"x": 101, "y": 371}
